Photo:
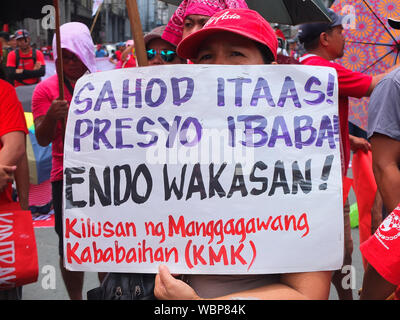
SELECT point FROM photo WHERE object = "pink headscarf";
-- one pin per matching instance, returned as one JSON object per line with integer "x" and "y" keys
{"x": 174, "y": 30}
{"x": 75, "y": 37}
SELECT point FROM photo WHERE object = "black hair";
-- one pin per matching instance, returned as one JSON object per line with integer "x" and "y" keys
{"x": 314, "y": 43}
{"x": 266, "y": 53}
{"x": 5, "y": 35}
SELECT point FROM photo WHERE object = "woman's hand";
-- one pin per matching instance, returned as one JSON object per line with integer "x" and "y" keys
{"x": 357, "y": 143}
{"x": 169, "y": 288}
{"x": 6, "y": 176}
{"x": 58, "y": 110}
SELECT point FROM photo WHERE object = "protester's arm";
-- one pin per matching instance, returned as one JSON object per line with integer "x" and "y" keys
{"x": 13, "y": 153}
{"x": 375, "y": 287}
{"x": 13, "y": 148}
{"x": 385, "y": 160}
{"x": 126, "y": 52}
{"x": 19, "y": 74}
{"x": 376, "y": 212}
{"x": 113, "y": 59}
{"x": 295, "y": 286}
{"x": 379, "y": 77}
{"x": 36, "y": 73}
{"x": 45, "y": 126}
{"x": 11, "y": 73}
{"x": 22, "y": 182}
{"x": 357, "y": 143}
{"x": 6, "y": 175}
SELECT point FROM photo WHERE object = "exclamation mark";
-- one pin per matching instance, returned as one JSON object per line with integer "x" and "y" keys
{"x": 326, "y": 170}
{"x": 221, "y": 92}
{"x": 331, "y": 88}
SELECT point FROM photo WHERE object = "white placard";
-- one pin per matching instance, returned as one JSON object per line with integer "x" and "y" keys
{"x": 207, "y": 169}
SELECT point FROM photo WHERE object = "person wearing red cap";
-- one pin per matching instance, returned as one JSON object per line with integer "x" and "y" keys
{"x": 13, "y": 161}
{"x": 324, "y": 42}
{"x": 237, "y": 37}
{"x": 235, "y": 24}
{"x": 25, "y": 65}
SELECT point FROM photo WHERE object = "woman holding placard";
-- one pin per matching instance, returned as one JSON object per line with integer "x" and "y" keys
{"x": 233, "y": 37}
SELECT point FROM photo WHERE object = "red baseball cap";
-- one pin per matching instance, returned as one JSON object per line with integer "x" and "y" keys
{"x": 245, "y": 22}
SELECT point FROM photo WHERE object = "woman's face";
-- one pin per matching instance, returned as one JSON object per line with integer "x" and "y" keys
{"x": 23, "y": 43}
{"x": 229, "y": 49}
{"x": 72, "y": 65}
{"x": 193, "y": 23}
{"x": 163, "y": 53}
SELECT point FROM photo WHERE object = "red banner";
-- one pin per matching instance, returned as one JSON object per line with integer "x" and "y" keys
{"x": 18, "y": 252}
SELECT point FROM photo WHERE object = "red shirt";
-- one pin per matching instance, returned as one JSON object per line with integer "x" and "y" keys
{"x": 11, "y": 119}
{"x": 130, "y": 63}
{"x": 43, "y": 95}
{"x": 25, "y": 64}
{"x": 351, "y": 84}
{"x": 118, "y": 55}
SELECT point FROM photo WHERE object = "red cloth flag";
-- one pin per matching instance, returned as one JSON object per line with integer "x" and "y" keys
{"x": 382, "y": 250}
{"x": 365, "y": 188}
{"x": 18, "y": 251}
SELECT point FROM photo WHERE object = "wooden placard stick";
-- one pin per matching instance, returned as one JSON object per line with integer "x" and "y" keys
{"x": 59, "y": 62}
{"x": 137, "y": 32}
{"x": 96, "y": 17}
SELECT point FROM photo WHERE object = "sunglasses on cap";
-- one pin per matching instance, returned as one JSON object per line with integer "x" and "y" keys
{"x": 166, "y": 55}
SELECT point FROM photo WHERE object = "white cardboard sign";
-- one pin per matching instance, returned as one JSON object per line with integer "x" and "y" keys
{"x": 207, "y": 169}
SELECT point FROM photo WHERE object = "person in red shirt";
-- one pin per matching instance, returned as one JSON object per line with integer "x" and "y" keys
{"x": 13, "y": 159}
{"x": 50, "y": 116}
{"x": 325, "y": 42}
{"x": 253, "y": 42}
{"x": 128, "y": 55}
{"x": 25, "y": 65}
{"x": 12, "y": 145}
{"x": 116, "y": 58}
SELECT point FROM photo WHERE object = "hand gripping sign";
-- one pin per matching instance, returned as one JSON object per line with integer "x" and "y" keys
{"x": 207, "y": 169}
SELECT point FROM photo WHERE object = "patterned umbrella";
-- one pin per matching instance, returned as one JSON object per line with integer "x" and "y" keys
{"x": 372, "y": 46}
{"x": 290, "y": 12}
